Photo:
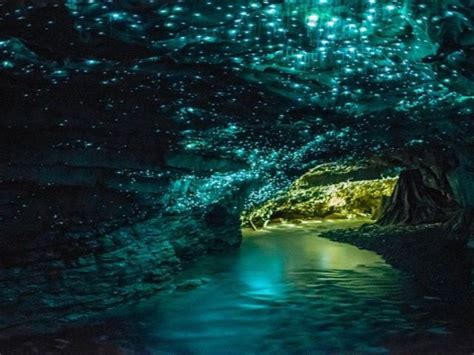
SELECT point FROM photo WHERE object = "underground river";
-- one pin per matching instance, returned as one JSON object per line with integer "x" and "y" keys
{"x": 284, "y": 291}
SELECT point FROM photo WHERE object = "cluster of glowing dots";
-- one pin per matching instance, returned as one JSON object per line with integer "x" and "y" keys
{"x": 302, "y": 36}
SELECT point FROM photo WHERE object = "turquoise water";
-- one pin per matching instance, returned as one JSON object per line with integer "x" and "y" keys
{"x": 285, "y": 291}
{"x": 288, "y": 291}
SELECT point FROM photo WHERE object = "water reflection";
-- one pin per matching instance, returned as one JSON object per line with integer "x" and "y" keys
{"x": 284, "y": 291}
{"x": 275, "y": 260}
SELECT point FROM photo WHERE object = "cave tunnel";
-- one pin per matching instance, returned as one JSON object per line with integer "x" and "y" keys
{"x": 329, "y": 192}
{"x": 243, "y": 176}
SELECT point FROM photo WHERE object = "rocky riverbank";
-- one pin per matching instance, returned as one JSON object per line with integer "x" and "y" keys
{"x": 441, "y": 265}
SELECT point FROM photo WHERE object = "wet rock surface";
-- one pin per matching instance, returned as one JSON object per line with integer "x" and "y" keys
{"x": 97, "y": 338}
{"x": 440, "y": 263}
{"x": 78, "y": 275}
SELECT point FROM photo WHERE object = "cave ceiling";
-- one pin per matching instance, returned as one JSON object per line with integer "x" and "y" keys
{"x": 270, "y": 86}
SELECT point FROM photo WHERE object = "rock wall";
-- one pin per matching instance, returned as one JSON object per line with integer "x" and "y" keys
{"x": 96, "y": 213}
{"x": 436, "y": 187}
{"x": 76, "y": 275}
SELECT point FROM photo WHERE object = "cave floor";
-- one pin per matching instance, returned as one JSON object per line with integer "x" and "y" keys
{"x": 286, "y": 290}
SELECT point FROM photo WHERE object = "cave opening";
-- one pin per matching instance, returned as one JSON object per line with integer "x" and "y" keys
{"x": 331, "y": 191}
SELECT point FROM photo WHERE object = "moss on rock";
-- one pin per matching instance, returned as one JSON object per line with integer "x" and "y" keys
{"x": 311, "y": 197}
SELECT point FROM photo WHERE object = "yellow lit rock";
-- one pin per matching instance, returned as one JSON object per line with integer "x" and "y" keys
{"x": 313, "y": 196}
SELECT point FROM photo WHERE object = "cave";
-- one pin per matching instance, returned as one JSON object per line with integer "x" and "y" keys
{"x": 248, "y": 176}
